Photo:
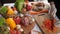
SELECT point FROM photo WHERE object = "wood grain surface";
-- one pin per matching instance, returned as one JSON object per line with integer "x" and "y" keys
{"x": 39, "y": 20}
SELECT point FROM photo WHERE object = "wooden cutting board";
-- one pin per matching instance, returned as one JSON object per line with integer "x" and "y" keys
{"x": 39, "y": 20}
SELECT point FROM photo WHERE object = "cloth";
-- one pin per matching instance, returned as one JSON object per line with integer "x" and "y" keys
{"x": 36, "y": 28}
{"x": 57, "y": 5}
{"x": 41, "y": 0}
{"x": 54, "y": 10}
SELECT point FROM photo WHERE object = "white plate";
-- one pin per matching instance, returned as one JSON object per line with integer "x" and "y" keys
{"x": 9, "y": 4}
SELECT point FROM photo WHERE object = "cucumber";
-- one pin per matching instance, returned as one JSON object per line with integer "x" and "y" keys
{"x": 2, "y": 21}
{"x": 19, "y": 4}
{"x": 3, "y": 10}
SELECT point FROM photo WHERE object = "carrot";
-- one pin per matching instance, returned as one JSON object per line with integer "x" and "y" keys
{"x": 34, "y": 12}
{"x": 44, "y": 11}
{"x": 55, "y": 29}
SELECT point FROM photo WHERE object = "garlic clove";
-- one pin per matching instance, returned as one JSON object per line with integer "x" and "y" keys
{"x": 21, "y": 15}
{"x": 8, "y": 28}
{"x": 21, "y": 30}
{"x": 18, "y": 26}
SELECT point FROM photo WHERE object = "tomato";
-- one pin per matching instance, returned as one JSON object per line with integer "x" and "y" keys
{"x": 48, "y": 24}
{"x": 28, "y": 7}
{"x": 13, "y": 32}
{"x": 18, "y": 32}
{"x": 17, "y": 19}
